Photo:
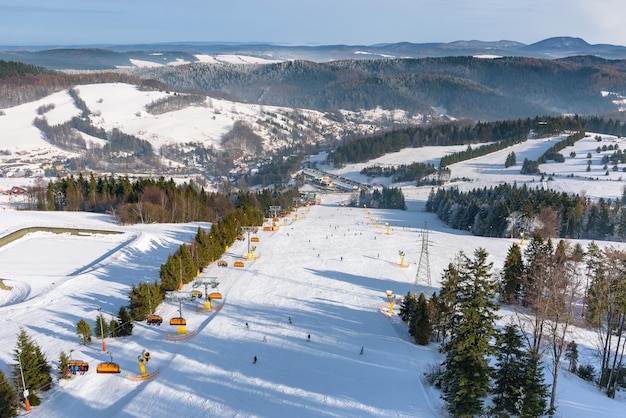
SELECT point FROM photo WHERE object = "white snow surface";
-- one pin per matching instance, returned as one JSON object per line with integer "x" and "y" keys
{"x": 327, "y": 268}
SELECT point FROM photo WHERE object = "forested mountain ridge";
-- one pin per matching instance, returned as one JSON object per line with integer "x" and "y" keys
{"x": 463, "y": 87}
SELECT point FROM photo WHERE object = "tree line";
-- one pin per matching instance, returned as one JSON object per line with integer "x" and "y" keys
{"x": 387, "y": 198}
{"x": 361, "y": 149}
{"x": 23, "y": 83}
{"x": 508, "y": 210}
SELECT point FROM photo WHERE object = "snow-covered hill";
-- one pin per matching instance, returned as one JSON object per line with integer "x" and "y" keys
{"x": 327, "y": 268}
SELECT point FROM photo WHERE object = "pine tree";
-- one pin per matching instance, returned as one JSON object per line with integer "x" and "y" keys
{"x": 114, "y": 327}
{"x": 63, "y": 359}
{"x": 83, "y": 330}
{"x": 435, "y": 315}
{"x": 448, "y": 296}
{"x": 532, "y": 400}
{"x": 101, "y": 327}
{"x": 512, "y": 275}
{"x": 8, "y": 397}
{"x": 34, "y": 366}
{"x": 407, "y": 307}
{"x": 423, "y": 327}
{"x": 125, "y": 324}
{"x": 467, "y": 371}
{"x": 510, "y": 375}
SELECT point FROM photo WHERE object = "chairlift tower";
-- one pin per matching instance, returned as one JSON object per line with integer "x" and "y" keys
{"x": 274, "y": 210}
{"x": 422, "y": 277}
{"x": 248, "y": 230}
{"x": 206, "y": 283}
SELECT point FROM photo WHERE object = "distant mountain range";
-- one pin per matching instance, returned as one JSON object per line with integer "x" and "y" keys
{"x": 97, "y": 57}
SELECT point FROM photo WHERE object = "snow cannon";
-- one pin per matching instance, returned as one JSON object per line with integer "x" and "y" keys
{"x": 143, "y": 358}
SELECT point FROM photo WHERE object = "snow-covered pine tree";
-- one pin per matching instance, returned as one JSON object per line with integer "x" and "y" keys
{"x": 465, "y": 381}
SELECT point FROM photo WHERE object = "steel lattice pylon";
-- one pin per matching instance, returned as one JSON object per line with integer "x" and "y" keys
{"x": 422, "y": 277}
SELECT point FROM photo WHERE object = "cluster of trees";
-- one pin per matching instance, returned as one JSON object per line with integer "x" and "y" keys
{"x": 242, "y": 140}
{"x": 61, "y": 135}
{"x": 278, "y": 171}
{"x": 511, "y": 160}
{"x": 149, "y": 200}
{"x": 32, "y": 371}
{"x": 174, "y": 102}
{"x": 404, "y": 172}
{"x": 507, "y": 210}
{"x": 470, "y": 152}
{"x": 121, "y": 326}
{"x": 544, "y": 284}
{"x": 141, "y": 200}
{"x": 387, "y": 198}
{"x": 190, "y": 259}
{"x": 553, "y": 154}
{"x": 356, "y": 150}
{"x": 600, "y": 125}
{"x": 481, "y": 361}
{"x": 548, "y": 282}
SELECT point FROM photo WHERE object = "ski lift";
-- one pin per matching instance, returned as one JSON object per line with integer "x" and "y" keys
{"x": 178, "y": 321}
{"x": 154, "y": 319}
{"x": 77, "y": 366}
{"x": 108, "y": 367}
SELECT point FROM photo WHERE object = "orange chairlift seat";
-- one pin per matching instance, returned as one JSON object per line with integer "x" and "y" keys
{"x": 178, "y": 321}
{"x": 108, "y": 368}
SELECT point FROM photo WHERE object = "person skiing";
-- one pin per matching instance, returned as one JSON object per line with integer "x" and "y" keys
{"x": 247, "y": 326}
{"x": 254, "y": 360}
{"x": 308, "y": 337}
{"x": 264, "y": 339}
{"x": 361, "y": 353}
{"x": 290, "y": 320}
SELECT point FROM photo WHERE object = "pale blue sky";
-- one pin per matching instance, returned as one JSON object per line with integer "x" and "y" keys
{"x": 305, "y": 22}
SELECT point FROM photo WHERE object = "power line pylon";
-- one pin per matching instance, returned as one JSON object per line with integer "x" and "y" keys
{"x": 422, "y": 277}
